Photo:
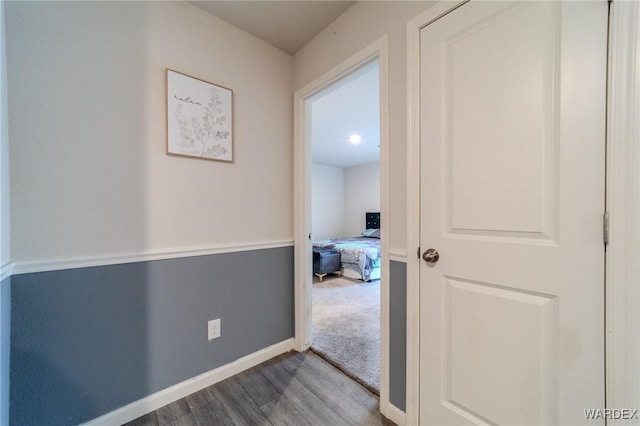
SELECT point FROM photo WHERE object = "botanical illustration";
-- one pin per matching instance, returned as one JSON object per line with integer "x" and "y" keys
{"x": 199, "y": 118}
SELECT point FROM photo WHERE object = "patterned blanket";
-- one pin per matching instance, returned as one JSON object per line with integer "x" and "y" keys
{"x": 361, "y": 251}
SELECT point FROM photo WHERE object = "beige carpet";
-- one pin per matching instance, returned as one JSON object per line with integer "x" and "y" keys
{"x": 346, "y": 327}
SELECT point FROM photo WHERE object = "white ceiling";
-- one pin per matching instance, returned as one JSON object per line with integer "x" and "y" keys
{"x": 287, "y": 25}
{"x": 349, "y": 106}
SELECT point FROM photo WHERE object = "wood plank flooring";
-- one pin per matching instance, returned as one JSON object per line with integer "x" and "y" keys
{"x": 291, "y": 389}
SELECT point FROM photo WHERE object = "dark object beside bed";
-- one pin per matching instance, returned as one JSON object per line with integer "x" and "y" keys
{"x": 325, "y": 261}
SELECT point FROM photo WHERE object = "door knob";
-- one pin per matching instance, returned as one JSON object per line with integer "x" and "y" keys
{"x": 431, "y": 256}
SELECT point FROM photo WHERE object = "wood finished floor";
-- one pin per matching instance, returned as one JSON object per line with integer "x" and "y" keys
{"x": 291, "y": 389}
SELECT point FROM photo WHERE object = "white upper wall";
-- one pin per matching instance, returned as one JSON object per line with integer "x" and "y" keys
{"x": 361, "y": 195}
{"x": 361, "y": 25}
{"x": 327, "y": 202}
{"x": 89, "y": 173}
{"x": 341, "y": 197}
{"x": 5, "y": 200}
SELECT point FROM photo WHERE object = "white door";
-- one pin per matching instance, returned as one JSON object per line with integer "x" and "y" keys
{"x": 512, "y": 108}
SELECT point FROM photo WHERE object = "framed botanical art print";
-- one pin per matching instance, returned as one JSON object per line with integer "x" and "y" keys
{"x": 199, "y": 118}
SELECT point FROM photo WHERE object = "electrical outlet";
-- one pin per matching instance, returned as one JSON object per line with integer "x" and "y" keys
{"x": 213, "y": 329}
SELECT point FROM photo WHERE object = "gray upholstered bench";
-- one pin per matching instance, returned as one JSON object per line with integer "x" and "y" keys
{"x": 326, "y": 261}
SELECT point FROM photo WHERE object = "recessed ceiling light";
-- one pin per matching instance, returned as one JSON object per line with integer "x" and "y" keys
{"x": 355, "y": 139}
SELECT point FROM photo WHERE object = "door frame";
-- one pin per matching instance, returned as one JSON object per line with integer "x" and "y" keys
{"x": 622, "y": 318}
{"x": 622, "y": 274}
{"x": 413, "y": 202}
{"x": 377, "y": 50}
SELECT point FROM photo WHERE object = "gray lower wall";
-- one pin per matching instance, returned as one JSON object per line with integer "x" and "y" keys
{"x": 398, "y": 334}
{"x": 90, "y": 340}
{"x": 5, "y": 338}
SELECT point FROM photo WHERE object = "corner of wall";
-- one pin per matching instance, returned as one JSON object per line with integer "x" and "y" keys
{"x": 119, "y": 227}
{"x": 5, "y": 231}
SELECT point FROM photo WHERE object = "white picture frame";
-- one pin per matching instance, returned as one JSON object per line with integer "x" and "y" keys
{"x": 199, "y": 118}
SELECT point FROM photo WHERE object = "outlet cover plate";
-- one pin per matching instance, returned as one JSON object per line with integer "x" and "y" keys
{"x": 213, "y": 329}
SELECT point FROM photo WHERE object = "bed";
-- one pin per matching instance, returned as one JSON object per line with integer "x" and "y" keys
{"x": 359, "y": 256}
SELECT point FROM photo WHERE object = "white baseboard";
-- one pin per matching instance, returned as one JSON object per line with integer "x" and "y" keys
{"x": 396, "y": 415}
{"x": 176, "y": 392}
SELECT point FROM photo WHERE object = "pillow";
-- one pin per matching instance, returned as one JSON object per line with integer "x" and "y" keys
{"x": 371, "y": 233}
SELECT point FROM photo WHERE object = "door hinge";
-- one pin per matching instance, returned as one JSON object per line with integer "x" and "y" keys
{"x": 605, "y": 228}
{"x": 418, "y": 253}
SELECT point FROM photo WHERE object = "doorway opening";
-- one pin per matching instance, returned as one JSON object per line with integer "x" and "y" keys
{"x": 345, "y": 212}
{"x": 341, "y": 74}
